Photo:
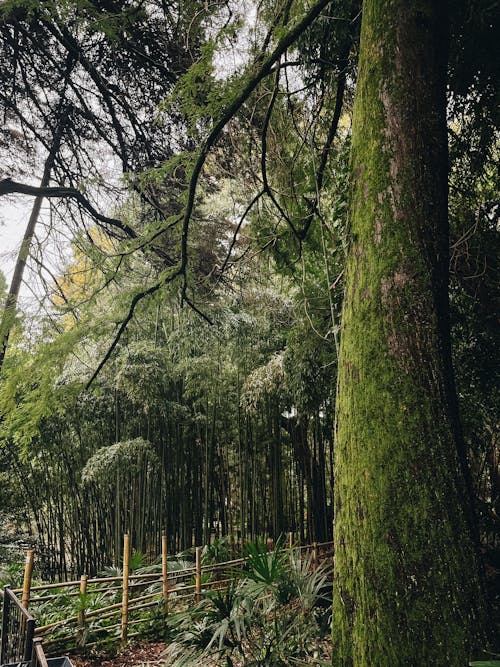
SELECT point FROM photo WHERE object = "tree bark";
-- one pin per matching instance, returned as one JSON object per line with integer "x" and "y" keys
{"x": 407, "y": 589}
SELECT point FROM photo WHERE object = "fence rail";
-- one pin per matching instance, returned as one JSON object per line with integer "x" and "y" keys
{"x": 18, "y": 629}
{"x": 121, "y": 598}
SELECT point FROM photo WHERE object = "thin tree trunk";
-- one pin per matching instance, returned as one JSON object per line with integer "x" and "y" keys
{"x": 407, "y": 587}
{"x": 9, "y": 310}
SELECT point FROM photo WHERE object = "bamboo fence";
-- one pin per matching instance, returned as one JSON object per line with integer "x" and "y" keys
{"x": 168, "y": 590}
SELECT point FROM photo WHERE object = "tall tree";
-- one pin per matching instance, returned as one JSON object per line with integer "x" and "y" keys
{"x": 407, "y": 587}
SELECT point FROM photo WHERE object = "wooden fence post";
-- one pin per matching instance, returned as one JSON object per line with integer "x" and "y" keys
{"x": 30, "y": 634}
{"x": 28, "y": 571}
{"x": 290, "y": 539}
{"x": 126, "y": 562}
{"x": 25, "y": 599}
{"x": 81, "y": 613}
{"x": 164, "y": 570}
{"x": 38, "y": 653}
{"x": 198, "y": 574}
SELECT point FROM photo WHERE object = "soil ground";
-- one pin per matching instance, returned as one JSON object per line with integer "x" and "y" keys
{"x": 143, "y": 654}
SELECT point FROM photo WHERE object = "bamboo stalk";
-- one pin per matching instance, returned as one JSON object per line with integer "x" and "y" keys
{"x": 110, "y": 589}
{"x": 28, "y": 571}
{"x": 133, "y": 621}
{"x": 131, "y": 610}
{"x": 164, "y": 568}
{"x": 183, "y": 588}
{"x": 211, "y": 584}
{"x": 54, "y": 596}
{"x": 114, "y": 608}
{"x": 158, "y": 576}
{"x": 136, "y": 621}
{"x": 83, "y": 592}
{"x": 126, "y": 562}
{"x": 135, "y": 634}
{"x": 132, "y": 604}
{"x": 198, "y": 574}
{"x": 98, "y": 643}
{"x": 182, "y": 597}
{"x": 174, "y": 573}
{"x": 104, "y": 580}
{"x": 43, "y": 587}
{"x": 216, "y": 566}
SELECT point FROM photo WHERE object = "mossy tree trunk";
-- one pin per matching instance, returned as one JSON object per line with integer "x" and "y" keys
{"x": 407, "y": 589}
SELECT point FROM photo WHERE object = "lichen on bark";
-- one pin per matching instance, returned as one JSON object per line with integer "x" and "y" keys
{"x": 407, "y": 589}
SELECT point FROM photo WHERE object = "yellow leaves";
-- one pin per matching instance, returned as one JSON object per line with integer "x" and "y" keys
{"x": 80, "y": 279}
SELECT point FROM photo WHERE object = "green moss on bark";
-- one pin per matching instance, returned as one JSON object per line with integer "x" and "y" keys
{"x": 407, "y": 589}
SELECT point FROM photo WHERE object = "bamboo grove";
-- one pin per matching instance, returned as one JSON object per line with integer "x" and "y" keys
{"x": 205, "y": 441}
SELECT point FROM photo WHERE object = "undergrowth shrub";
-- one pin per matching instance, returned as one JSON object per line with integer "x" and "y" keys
{"x": 277, "y": 614}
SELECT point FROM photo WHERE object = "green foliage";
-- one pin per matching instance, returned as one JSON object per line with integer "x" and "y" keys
{"x": 263, "y": 382}
{"x": 64, "y": 605}
{"x": 128, "y": 457}
{"x": 3, "y": 289}
{"x": 251, "y": 623}
{"x": 266, "y": 568}
{"x": 219, "y": 551}
{"x": 11, "y": 573}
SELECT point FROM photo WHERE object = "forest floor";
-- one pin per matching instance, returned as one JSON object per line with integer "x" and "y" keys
{"x": 151, "y": 654}
{"x": 143, "y": 654}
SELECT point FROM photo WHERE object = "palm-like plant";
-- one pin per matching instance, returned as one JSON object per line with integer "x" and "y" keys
{"x": 266, "y": 573}
{"x": 270, "y": 618}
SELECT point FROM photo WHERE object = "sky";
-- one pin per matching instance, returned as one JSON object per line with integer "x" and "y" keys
{"x": 13, "y": 218}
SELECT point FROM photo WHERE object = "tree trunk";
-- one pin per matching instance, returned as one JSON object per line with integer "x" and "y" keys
{"x": 407, "y": 588}
{"x": 9, "y": 310}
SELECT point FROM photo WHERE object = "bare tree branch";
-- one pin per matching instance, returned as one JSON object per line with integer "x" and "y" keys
{"x": 8, "y": 186}
{"x": 339, "y": 100}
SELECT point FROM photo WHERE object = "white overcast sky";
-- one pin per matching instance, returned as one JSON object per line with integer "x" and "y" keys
{"x": 13, "y": 218}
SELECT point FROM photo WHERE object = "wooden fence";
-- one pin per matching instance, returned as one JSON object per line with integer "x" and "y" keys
{"x": 112, "y": 608}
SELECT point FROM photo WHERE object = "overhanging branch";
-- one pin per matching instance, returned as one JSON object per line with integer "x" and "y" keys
{"x": 8, "y": 186}
{"x": 137, "y": 298}
{"x": 264, "y": 70}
